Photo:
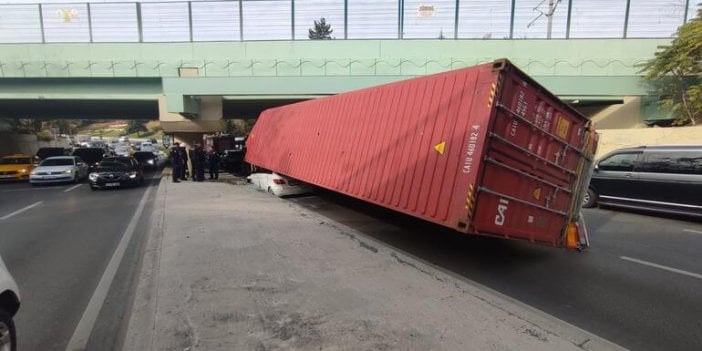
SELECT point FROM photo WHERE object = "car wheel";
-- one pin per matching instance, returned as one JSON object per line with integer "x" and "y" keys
{"x": 8, "y": 336}
{"x": 590, "y": 198}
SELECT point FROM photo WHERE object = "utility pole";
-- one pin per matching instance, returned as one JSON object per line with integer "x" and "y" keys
{"x": 552, "y": 5}
{"x": 549, "y": 17}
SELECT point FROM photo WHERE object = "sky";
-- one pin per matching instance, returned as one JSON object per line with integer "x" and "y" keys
{"x": 116, "y": 20}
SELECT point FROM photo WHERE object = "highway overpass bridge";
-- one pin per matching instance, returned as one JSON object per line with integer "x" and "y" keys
{"x": 193, "y": 63}
{"x": 191, "y": 86}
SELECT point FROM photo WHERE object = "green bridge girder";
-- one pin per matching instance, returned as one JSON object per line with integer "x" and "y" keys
{"x": 124, "y": 73}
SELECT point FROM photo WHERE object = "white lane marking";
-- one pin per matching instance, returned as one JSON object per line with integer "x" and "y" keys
{"x": 21, "y": 210}
{"x": 79, "y": 340}
{"x": 30, "y": 189}
{"x": 692, "y": 231}
{"x": 71, "y": 188}
{"x": 659, "y": 266}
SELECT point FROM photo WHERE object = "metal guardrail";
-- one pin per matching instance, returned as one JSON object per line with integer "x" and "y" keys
{"x": 244, "y": 20}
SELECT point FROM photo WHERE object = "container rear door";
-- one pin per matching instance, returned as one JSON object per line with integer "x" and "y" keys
{"x": 533, "y": 162}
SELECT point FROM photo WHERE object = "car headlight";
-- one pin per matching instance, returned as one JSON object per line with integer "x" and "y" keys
{"x": 23, "y": 170}
{"x": 150, "y": 162}
{"x": 68, "y": 171}
{"x": 132, "y": 175}
{"x": 93, "y": 176}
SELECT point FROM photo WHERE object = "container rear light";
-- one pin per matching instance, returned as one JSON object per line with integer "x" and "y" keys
{"x": 279, "y": 181}
{"x": 573, "y": 236}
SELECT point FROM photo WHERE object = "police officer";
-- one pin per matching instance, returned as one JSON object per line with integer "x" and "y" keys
{"x": 176, "y": 162}
{"x": 200, "y": 158}
{"x": 213, "y": 163}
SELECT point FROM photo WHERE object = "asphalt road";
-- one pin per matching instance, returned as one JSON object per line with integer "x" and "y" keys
{"x": 639, "y": 285}
{"x": 58, "y": 248}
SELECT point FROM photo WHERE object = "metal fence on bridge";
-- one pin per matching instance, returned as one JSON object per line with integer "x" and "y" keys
{"x": 243, "y": 20}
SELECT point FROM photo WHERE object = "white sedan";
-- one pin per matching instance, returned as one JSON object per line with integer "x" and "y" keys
{"x": 277, "y": 184}
{"x": 9, "y": 304}
{"x": 59, "y": 169}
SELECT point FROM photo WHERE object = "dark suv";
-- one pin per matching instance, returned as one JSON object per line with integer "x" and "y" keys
{"x": 657, "y": 178}
{"x": 91, "y": 155}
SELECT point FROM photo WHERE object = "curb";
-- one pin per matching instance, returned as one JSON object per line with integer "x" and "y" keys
{"x": 141, "y": 325}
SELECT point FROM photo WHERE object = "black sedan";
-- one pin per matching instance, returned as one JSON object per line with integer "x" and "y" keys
{"x": 115, "y": 172}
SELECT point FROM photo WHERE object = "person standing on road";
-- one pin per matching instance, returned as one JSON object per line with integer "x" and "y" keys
{"x": 213, "y": 164}
{"x": 176, "y": 162}
{"x": 192, "y": 166}
{"x": 199, "y": 166}
{"x": 183, "y": 162}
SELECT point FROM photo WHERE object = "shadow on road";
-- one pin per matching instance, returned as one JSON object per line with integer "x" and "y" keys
{"x": 441, "y": 246}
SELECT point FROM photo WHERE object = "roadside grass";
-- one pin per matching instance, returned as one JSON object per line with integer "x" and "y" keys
{"x": 115, "y": 129}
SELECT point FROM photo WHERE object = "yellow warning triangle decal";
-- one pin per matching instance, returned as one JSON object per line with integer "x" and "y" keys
{"x": 440, "y": 147}
{"x": 537, "y": 193}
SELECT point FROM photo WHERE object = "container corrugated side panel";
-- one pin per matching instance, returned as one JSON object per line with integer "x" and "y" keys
{"x": 402, "y": 145}
{"x": 534, "y": 162}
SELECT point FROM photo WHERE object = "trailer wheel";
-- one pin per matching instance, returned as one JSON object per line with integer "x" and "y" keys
{"x": 590, "y": 198}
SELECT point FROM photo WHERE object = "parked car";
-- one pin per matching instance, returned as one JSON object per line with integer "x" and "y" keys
{"x": 9, "y": 305}
{"x": 45, "y": 152}
{"x": 59, "y": 169}
{"x": 277, "y": 184}
{"x": 656, "y": 178}
{"x": 115, "y": 172}
{"x": 16, "y": 167}
{"x": 147, "y": 146}
{"x": 147, "y": 159}
{"x": 91, "y": 155}
{"x": 124, "y": 150}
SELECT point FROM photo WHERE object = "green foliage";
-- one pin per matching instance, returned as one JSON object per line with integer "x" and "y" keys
{"x": 23, "y": 125}
{"x": 240, "y": 127}
{"x": 44, "y": 135}
{"x": 675, "y": 73}
{"x": 136, "y": 126}
{"x": 321, "y": 30}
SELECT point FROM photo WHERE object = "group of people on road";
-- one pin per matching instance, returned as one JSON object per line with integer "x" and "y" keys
{"x": 198, "y": 158}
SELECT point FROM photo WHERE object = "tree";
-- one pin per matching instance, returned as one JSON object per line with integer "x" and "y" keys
{"x": 240, "y": 127}
{"x": 321, "y": 30}
{"x": 23, "y": 125}
{"x": 675, "y": 73}
{"x": 135, "y": 126}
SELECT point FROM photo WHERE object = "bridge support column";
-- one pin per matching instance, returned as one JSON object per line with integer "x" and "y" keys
{"x": 207, "y": 119}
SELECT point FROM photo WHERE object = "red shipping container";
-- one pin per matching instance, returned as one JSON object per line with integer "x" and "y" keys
{"x": 483, "y": 150}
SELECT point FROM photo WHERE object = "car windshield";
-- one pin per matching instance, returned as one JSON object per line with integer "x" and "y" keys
{"x": 112, "y": 166}
{"x": 122, "y": 160}
{"x": 57, "y": 162}
{"x": 15, "y": 161}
